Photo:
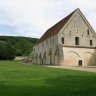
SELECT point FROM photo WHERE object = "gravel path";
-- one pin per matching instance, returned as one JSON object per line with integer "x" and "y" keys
{"x": 83, "y": 68}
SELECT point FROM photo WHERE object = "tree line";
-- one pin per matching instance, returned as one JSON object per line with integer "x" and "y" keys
{"x": 11, "y": 46}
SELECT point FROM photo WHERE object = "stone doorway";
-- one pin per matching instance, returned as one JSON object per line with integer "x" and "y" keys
{"x": 80, "y": 62}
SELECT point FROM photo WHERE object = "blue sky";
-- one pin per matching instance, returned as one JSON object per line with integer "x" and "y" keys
{"x": 31, "y": 18}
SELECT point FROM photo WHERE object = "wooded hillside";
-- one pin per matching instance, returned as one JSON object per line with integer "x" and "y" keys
{"x": 22, "y": 45}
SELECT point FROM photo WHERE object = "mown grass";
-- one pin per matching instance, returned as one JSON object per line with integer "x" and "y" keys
{"x": 17, "y": 79}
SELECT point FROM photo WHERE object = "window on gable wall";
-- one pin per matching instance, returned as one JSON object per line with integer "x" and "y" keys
{"x": 91, "y": 43}
{"x": 62, "y": 40}
{"x": 88, "y": 32}
{"x": 76, "y": 40}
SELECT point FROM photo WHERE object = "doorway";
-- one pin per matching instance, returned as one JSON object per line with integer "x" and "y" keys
{"x": 80, "y": 62}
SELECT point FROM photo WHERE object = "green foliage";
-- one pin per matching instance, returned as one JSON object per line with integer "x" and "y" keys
{"x": 18, "y": 79}
{"x": 22, "y": 45}
{"x": 7, "y": 52}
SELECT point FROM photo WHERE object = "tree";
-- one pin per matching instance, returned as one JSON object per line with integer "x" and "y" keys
{"x": 22, "y": 45}
{"x": 7, "y": 52}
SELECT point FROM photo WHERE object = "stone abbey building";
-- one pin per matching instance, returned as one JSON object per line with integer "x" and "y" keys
{"x": 70, "y": 42}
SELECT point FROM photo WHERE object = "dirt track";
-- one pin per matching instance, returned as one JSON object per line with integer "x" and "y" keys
{"x": 83, "y": 68}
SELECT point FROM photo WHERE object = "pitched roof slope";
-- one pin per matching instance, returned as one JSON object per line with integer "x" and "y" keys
{"x": 55, "y": 29}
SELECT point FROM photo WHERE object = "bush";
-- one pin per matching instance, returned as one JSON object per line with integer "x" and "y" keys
{"x": 7, "y": 52}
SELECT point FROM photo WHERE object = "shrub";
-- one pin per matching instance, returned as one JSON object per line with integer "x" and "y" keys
{"x": 7, "y": 52}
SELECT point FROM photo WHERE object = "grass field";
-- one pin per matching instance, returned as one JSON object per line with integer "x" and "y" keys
{"x": 17, "y": 79}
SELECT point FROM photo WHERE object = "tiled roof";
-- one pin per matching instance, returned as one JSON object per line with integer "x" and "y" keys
{"x": 55, "y": 29}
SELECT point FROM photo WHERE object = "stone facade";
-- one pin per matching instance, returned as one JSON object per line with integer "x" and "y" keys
{"x": 73, "y": 45}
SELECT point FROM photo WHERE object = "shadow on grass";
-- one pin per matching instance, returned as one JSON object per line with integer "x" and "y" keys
{"x": 59, "y": 86}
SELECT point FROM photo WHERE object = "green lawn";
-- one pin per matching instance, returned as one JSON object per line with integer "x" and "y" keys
{"x": 17, "y": 79}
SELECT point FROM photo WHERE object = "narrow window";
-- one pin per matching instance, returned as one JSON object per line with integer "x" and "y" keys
{"x": 88, "y": 32}
{"x": 76, "y": 40}
{"x": 62, "y": 40}
{"x": 91, "y": 43}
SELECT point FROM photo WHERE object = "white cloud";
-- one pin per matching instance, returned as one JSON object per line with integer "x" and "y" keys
{"x": 33, "y": 17}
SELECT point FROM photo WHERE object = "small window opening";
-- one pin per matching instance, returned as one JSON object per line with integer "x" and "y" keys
{"x": 88, "y": 32}
{"x": 62, "y": 40}
{"x": 91, "y": 43}
{"x": 76, "y": 40}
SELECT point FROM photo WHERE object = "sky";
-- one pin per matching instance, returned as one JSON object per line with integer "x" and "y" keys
{"x": 31, "y": 18}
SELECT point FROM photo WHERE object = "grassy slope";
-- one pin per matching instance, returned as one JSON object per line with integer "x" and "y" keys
{"x": 18, "y": 79}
